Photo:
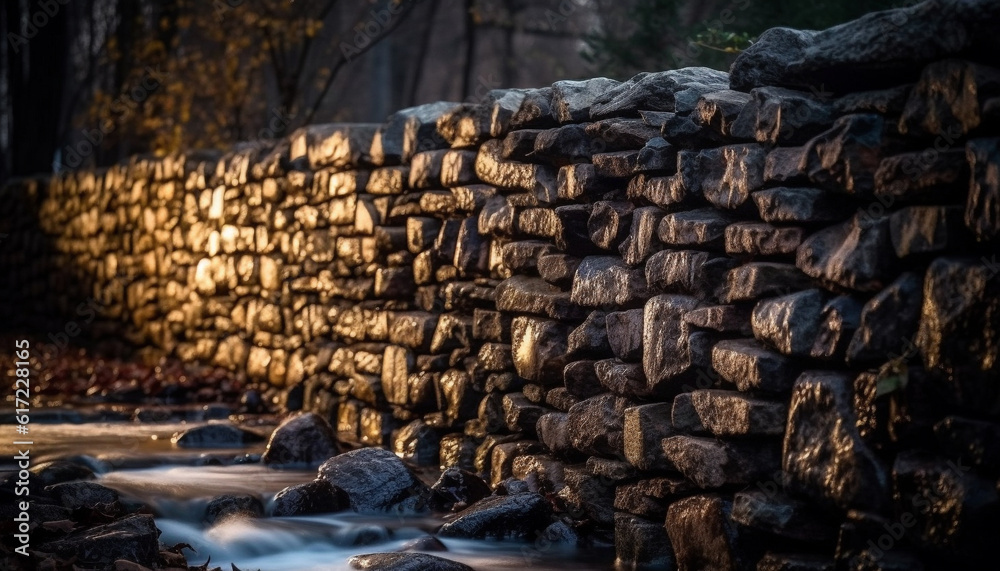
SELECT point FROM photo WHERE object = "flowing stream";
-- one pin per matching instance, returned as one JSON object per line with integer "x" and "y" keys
{"x": 145, "y": 467}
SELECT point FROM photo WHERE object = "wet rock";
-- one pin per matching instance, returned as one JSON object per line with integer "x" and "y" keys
{"x": 595, "y": 425}
{"x": 315, "y": 497}
{"x": 856, "y": 254}
{"x": 603, "y": 280}
{"x": 133, "y": 538}
{"x": 731, "y": 413}
{"x": 789, "y": 323}
{"x": 712, "y": 463}
{"x": 517, "y": 516}
{"x": 982, "y": 208}
{"x": 641, "y": 544}
{"x": 703, "y": 534}
{"x": 751, "y": 366}
{"x": 229, "y": 506}
{"x": 888, "y": 321}
{"x": 376, "y": 481}
{"x": 58, "y": 472}
{"x": 87, "y": 496}
{"x": 305, "y": 439}
{"x": 824, "y": 455}
{"x": 806, "y": 205}
{"x": 405, "y": 562}
{"x": 778, "y": 514}
{"x": 216, "y": 436}
{"x": 457, "y": 489}
{"x": 643, "y": 431}
{"x": 425, "y": 543}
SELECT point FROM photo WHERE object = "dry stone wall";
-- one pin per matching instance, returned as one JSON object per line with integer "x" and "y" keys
{"x": 747, "y": 320}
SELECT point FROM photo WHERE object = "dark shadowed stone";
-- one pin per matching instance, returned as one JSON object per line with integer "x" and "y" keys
{"x": 948, "y": 99}
{"x": 595, "y": 425}
{"x": 315, "y": 497}
{"x": 957, "y": 509}
{"x": 888, "y": 321}
{"x": 58, "y": 472}
{"x": 712, "y": 463}
{"x": 704, "y": 536}
{"x": 961, "y": 296}
{"x": 520, "y": 414}
{"x": 720, "y": 109}
{"x": 788, "y": 117}
{"x": 857, "y": 254}
{"x": 133, "y": 538}
{"x": 225, "y": 507}
{"x": 795, "y": 562}
{"x": 609, "y": 223}
{"x": 976, "y": 442}
{"x": 786, "y": 165}
{"x": 305, "y": 439}
{"x": 457, "y": 489}
{"x": 602, "y": 280}
{"x": 982, "y": 209}
{"x": 534, "y": 295}
{"x": 376, "y": 480}
{"x": 624, "y": 379}
{"x": 625, "y": 333}
{"x": 590, "y": 338}
{"x": 613, "y": 470}
{"x": 644, "y": 430}
{"x": 879, "y": 49}
{"x": 641, "y": 242}
{"x": 561, "y": 146}
{"x": 781, "y": 515}
{"x": 751, "y": 366}
{"x": 619, "y": 164}
{"x": 722, "y": 318}
{"x": 617, "y": 134}
{"x": 889, "y": 101}
{"x": 417, "y": 443}
{"x": 784, "y": 204}
{"x": 517, "y": 516}
{"x": 700, "y": 228}
{"x": 558, "y": 269}
{"x": 926, "y": 229}
{"x": 655, "y": 91}
{"x": 641, "y": 544}
{"x": 839, "y": 321}
{"x": 587, "y": 496}
{"x": 824, "y": 455}
{"x": 687, "y": 271}
{"x": 669, "y": 348}
{"x": 539, "y": 348}
{"x": 405, "y": 562}
{"x": 581, "y": 379}
{"x": 929, "y": 176}
{"x": 541, "y": 472}
{"x": 216, "y": 436}
{"x": 87, "y": 496}
{"x": 845, "y": 158}
{"x": 651, "y": 497}
{"x": 552, "y": 429}
{"x": 731, "y": 413}
{"x": 725, "y": 175}
{"x": 572, "y": 100}
{"x": 519, "y": 145}
{"x": 755, "y": 280}
{"x": 761, "y": 239}
{"x": 789, "y": 323}
{"x": 657, "y": 155}
{"x": 560, "y": 399}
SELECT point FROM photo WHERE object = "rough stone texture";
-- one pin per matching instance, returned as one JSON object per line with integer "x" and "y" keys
{"x": 316, "y": 497}
{"x": 857, "y": 254}
{"x": 376, "y": 481}
{"x": 704, "y": 535}
{"x": 517, "y": 516}
{"x": 405, "y": 562}
{"x": 302, "y": 440}
{"x": 730, "y": 413}
{"x": 711, "y": 463}
{"x": 641, "y": 544}
{"x": 751, "y": 366}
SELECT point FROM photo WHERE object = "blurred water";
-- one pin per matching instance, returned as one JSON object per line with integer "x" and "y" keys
{"x": 140, "y": 461}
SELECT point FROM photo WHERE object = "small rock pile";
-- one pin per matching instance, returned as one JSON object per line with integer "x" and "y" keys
{"x": 747, "y": 320}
